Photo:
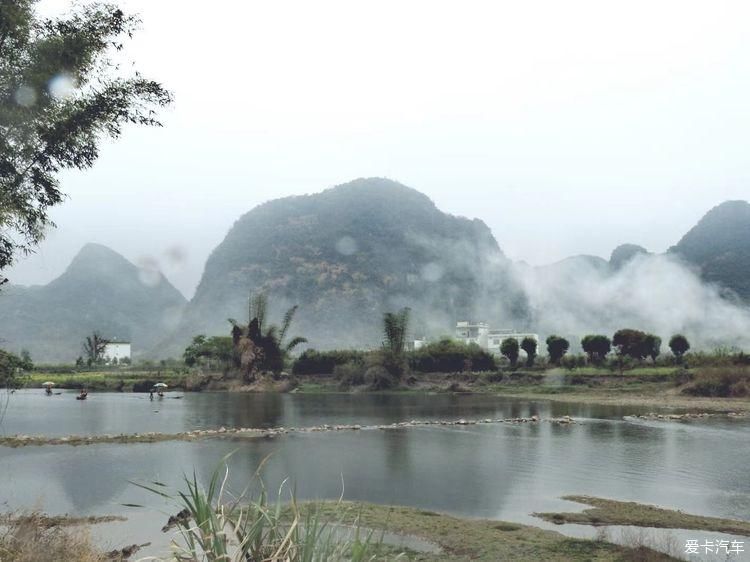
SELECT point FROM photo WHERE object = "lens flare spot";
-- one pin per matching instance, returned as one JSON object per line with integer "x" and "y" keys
{"x": 432, "y": 272}
{"x": 61, "y": 86}
{"x": 25, "y": 96}
{"x": 346, "y": 245}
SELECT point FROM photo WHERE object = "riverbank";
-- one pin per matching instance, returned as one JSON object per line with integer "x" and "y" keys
{"x": 488, "y": 541}
{"x": 605, "y": 512}
{"x": 640, "y": 388}
{"x": 657, "y": 387}
{"x": 426, "y": 536}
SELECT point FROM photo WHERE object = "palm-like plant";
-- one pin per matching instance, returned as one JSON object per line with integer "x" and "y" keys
{"x": 265, "y": 346}
{"x": 395, "y": 329}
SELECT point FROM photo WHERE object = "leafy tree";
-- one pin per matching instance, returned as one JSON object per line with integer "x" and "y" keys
{"x": 93, "y": 348}
{"x": 679, "y": 345}
{"x": 651, "y": 346}
{"x": 509, "y": 348}
{"x": 529, "y": 345}
{"x": 60, "y": 94}
{"x": 596, "y": 347}
{"x": 216, "y": 349}
{"x": 556, "y": 348}
{"x": 11, "y": 366}
{"x": 395, "y": 331}
{"x": 630, "y": 343}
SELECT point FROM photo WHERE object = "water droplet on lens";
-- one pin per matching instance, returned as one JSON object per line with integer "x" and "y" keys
{"x": 25, "y": 96}
{"x": 346, "y": 245}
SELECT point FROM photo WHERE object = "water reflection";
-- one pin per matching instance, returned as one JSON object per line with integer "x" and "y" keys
{"x": 31, "y": 412}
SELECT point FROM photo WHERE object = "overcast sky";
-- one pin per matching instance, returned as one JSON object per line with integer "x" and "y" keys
{"x": 568, "y": 127}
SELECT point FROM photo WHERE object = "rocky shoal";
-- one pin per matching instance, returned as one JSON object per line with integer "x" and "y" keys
{"x": 255, "y": 433}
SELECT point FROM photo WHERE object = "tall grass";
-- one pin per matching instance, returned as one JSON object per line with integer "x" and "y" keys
{"x": 31, "y": 538}
{"x": 216, "y": 526}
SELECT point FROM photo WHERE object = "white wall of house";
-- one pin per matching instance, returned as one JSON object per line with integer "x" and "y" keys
{"x": 116, "y": 350}
{"x": 475, "y": 332}
{"x": 487, "y": 338}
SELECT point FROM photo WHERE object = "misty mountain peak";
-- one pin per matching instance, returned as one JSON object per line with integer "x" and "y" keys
{"x": 624, "y": 253}
{"x": 349, "y": 253}
{"x": 100, "y": 290}
{"x": 719, "y": 245}
{"x": 97, "y": 257}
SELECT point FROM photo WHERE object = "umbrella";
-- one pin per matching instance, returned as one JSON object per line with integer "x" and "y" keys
{"x": 160, "y": 385}
{"x": 48, "y": 383}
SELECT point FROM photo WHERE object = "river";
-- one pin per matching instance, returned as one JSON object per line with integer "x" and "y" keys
{"x": 499, "y": 471}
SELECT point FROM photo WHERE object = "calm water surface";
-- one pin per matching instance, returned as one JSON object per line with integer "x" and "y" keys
{"x": 501, "y": 471}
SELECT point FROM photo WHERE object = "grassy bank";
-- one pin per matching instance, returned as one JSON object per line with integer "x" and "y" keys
{"x": 658, "y": 387}
{"x": 485, "y": 540}
{"x": 110, "y": 380}
{"x": 612, "y": 512}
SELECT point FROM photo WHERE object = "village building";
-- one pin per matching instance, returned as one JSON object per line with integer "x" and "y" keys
{"x": 487, "y": 338}
{"x": 116, "y": 351}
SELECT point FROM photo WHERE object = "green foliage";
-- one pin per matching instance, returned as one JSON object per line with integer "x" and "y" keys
{"x": 93, "y": 348}
{"x": 509, "y": 348}
{"x": 679, "y": 345}
{"x": 395, "y": 330}
{"x": 450, "y": 356}
{"x": 217, "y": 526}
{"x": 209, "y": 351}
{"x": 572, "y": 362}
{"x": 43, "y": 129}
{"x": 630, "y": 343}
{"x": 720, "y": 382}
{"x": 652, "y": 346}
{"x": 556, "y": 347}
{"x": 11, "y": 369}
{"x": 529, "y": 345}
{"x": 636, "y": 344}
{"x": 313, "y": 362}
{"x": 350, "y": 374}
{"x": 597, "y": 347}
{"x": 274, "y": 351}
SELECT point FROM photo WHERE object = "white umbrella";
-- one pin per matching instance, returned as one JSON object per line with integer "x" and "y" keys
{"x": 160, "y": 385}
{"x": 48, "y": 383}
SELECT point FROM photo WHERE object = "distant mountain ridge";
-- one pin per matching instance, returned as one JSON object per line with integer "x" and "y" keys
{"x": 100, "y": 290}
{"x": 719, "y": 246}
{"x": 345, "y": 256}
{"x": 348, "y": 254}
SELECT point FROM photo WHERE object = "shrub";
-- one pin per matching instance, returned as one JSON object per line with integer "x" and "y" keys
{"x": 720, "y": 382}
{"x": 449, "y": 356}
{"x": 571, "y": 362}
{"x": 349, "y": 374}
{"x": 313, "y": 362}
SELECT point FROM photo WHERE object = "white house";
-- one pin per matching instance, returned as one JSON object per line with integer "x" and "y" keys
{"x": 473, "y": 332}
{"x": 488, "y": 339}
{"x": 116, "y": 350}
